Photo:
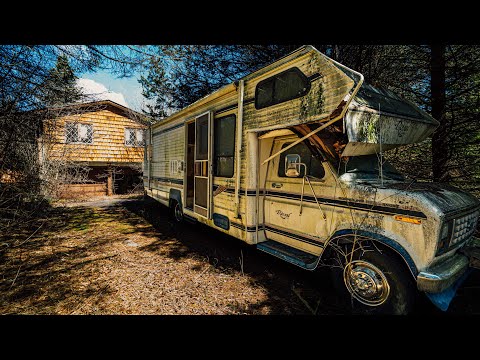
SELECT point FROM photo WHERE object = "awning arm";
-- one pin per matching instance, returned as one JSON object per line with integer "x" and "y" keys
{"x": 300, "y": 140}
{"x": 344, "y": 110}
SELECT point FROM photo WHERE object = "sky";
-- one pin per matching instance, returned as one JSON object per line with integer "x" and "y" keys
{"x": 102, "y": 85}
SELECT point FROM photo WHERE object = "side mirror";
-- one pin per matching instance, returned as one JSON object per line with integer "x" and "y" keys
{"x": 292, "y": 165}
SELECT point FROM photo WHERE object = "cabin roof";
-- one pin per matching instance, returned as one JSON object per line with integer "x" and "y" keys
{"x": 86, "y": 107}
{"x": 97, "y": 105}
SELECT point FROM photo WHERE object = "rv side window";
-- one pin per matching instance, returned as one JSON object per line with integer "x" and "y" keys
{"x": 201, "y": 135}
{"x": 314, "y": 165}
{"x": 288, "y": 85}
{"x": 224, "y": 145}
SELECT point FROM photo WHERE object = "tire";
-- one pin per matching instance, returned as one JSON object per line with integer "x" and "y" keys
{"x": 375, "y": 281}
{"x": 176, "y": 212}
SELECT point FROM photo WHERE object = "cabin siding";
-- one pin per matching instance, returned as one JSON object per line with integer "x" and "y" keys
{"x": 106, "y": 157}
{"x": 108, "y": 139}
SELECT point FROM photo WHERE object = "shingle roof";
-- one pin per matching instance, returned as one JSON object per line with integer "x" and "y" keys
{"x": 94, "y": 105}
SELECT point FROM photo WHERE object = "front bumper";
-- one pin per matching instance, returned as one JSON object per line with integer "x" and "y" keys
{"x": 441, "y": 276}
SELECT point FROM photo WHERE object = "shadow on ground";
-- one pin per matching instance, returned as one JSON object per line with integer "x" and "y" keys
{"x": 288, "y": 286}
{"x": 49, "y": 274}
{"x": 43, "y": 273}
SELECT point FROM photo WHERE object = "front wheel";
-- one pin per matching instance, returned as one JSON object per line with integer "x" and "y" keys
{"x": 376, "y": 281}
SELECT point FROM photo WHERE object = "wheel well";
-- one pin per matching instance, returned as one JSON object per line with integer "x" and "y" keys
{"x": 175, "y": 197}
{"x": 391, "y": 247}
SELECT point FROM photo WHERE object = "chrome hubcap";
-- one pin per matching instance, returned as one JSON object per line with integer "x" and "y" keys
{"x": 366, "y": 283}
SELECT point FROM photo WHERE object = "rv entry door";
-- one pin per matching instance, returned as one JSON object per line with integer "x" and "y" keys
{"x": 202, "y": 170}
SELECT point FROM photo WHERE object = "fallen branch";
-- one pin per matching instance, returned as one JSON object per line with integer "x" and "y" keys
{"x": 23, "y": 242}
{"x": 18, "y": 271}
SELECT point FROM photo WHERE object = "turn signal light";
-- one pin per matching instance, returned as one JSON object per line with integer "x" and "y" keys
{"x": 407, "y": 219}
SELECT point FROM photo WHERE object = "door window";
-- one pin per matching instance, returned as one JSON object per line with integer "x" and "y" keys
{"x": 314, "y": 165}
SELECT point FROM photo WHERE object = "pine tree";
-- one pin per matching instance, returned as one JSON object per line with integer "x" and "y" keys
{"x": 59, "y": 87}
{"x": 178, "y": 75}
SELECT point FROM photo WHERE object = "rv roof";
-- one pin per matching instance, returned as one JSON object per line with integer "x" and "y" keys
{"x": 232, "y": 86}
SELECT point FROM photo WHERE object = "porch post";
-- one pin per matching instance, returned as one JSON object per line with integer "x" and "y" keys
{"x": 110, "y": 181}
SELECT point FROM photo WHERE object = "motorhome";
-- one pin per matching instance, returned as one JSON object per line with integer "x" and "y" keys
{"x": 290, "y": 159}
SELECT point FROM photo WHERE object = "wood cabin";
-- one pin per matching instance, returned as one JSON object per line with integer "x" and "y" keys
{"x": 102, "y": 140}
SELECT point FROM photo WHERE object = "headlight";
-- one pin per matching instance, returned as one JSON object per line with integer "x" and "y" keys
{"x": 445, "y": 235}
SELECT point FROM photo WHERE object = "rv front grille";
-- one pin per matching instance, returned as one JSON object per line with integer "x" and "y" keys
{"x": 464, "y": 227}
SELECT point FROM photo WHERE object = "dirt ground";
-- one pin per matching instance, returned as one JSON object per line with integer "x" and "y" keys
{"x": 124, "y": 255}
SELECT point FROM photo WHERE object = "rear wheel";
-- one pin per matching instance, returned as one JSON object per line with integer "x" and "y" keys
{"x": 375, "y": 280}
{"x": 177, "y": 212}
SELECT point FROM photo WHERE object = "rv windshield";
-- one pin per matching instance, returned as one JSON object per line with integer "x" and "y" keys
{"x": 366, "y": 167}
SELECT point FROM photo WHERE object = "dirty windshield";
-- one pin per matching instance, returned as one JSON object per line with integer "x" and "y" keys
{"x": 366, "y": 167}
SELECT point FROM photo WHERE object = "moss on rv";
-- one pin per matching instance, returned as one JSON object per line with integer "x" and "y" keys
{"x": 368, "y": 129}
{"x": 312, "y": 104}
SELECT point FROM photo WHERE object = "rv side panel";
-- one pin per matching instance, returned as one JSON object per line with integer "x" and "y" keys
{"x": 327, "y": 88}
{"x": 167, "y": 160}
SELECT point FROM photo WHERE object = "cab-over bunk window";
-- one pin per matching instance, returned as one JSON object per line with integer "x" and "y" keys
{"x": 287, "y": 85}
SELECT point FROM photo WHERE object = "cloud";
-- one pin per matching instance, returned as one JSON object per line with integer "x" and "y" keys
{"x": 97, "y": 91}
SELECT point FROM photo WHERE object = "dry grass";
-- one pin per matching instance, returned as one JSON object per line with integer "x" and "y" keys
{"x": 130, "y": 259}
{"x": 112, "y": 261}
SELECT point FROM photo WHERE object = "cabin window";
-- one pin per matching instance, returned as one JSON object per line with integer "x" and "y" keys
{"x": 287, "y": 85}
{"x": 224, "y": 146}
{"x": 314, "y": 165}
{"x": 78, "y": 133}
{"x": 134, "y": 137}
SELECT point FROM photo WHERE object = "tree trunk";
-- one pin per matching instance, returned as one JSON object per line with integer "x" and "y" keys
{"x": 440, "y": 144}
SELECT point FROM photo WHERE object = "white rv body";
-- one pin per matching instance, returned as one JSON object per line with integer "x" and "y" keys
{"x": 257, "y": 203}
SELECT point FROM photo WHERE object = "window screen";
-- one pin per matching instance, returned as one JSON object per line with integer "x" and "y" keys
{"x": 288, "y": 85}
{"x": 140, "y": 137}
{"x": 201, "y": 134}
{"x": 224, "y": 146}
{"x": 314, "y": 165}
{"x": 134, "y": 137}
{"x": 78, "y": 133}
{"x": 71, "y": 132}
{"x": 201, "y": 191}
